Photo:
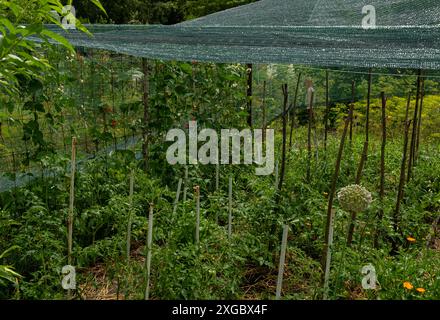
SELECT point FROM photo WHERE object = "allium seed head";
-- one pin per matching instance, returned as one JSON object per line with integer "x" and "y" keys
{"x": 354, "y": 198}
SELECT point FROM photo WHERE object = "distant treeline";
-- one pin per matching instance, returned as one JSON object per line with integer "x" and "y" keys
{"x": 151, "y": 11}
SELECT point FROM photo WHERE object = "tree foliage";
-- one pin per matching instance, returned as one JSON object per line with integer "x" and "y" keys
{"x": 20, "y": 20}
{"x": 153, "y": 11}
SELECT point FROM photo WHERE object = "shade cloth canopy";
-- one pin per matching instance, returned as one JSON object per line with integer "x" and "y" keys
{"x": 324, "y": 33}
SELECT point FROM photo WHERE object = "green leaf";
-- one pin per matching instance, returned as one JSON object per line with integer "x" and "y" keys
{"x": 8, "y": 25}
{"x": 99, "y": 5}
{"x": 58, "y": 38}
{"x": 5, "y": 253}
{"x": 14, "y": 8}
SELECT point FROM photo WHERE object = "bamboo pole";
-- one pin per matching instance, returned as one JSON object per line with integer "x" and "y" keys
{"x": 330, "y": 213}
{"x": 283, "y": 159}
{"x": 276, "y": 175}
{"x": 149, "y": 250}
{"x": 197, "y": 194}
{"x": 282, "y": 262}
{"x": 230, "y": 209}
{"x": 130, "y": 215}
{"x": 295, "y": 99}
{"x": 328, "y": 258}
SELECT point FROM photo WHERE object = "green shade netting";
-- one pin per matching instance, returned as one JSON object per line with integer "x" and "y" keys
{"x": 308, "y": 32}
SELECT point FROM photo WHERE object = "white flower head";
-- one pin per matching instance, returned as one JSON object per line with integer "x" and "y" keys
{"x": 354, "y": 198}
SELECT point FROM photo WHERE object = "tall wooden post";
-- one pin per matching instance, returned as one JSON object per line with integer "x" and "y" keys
{"x": 71, "y": 202}
{"x": 331, "y": 196}
{"x": 414, "y": 128}
{"x": 130, "y": 214}
{"x": 309, "y": 136}
{"x": 419, "y": 123}
{"x": 283, "y": 160}
{"x": 249, "y": 93}
{"x": 230, "y": 208}
{"x": 197, "y": 196}
{"x": 264, "y": 112}
{"x": 146, "y": 116}
{"x": 149, "y": 251}
{"x": 327, "y": 110}
{"x": 382, "y": 167}
{"x": 295, "y": 99}
{"x": 282, "y": 262}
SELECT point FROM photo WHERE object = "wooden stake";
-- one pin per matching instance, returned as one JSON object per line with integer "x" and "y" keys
{"x": 382, "y": 166}
{"x": 217, "y": 176}
{"x": 419, "y": 123}
{"x": 327, "y": 110}
{"x": 249, "y": 93}
{"x": 71, "y": 203}
{"x": 292, "y": 124}
{"x": 197, "y": 191}
{"x": 367, "y": 128}
{"x": 264, "y": 112}
{"x": 333, "y": 188}
{"x": 309, "y": 138}
{"x": 149, "y": 250}
{"x": 283, "y": 159}
{"x": 176, "y": 200}
{"x": 282, "y": 261}
{"x": 185, "y": 184}
{"x": 328, "y": 257}
{"x": 414, "y": 128}
{"x": 146, "y": 116}
{"x": 363, "y": 156}
{"x": 353, "y": 88}
{"x": 230, "y": 209}
{"x": 276, "y": 175}
{"x": 130, "y": 215}
{"x": 400, "y": 189}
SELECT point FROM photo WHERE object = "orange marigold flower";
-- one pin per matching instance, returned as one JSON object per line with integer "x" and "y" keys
{"x": 408, "y": 285}
{"x": 411, "y": 239}
{"x": 421, "y": 290}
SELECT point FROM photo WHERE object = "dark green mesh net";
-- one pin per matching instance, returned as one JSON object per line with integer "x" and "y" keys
{"x": 309, "y": 32}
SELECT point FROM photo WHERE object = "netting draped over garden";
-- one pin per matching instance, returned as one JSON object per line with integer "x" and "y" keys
{"x": 309, "y": 32}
